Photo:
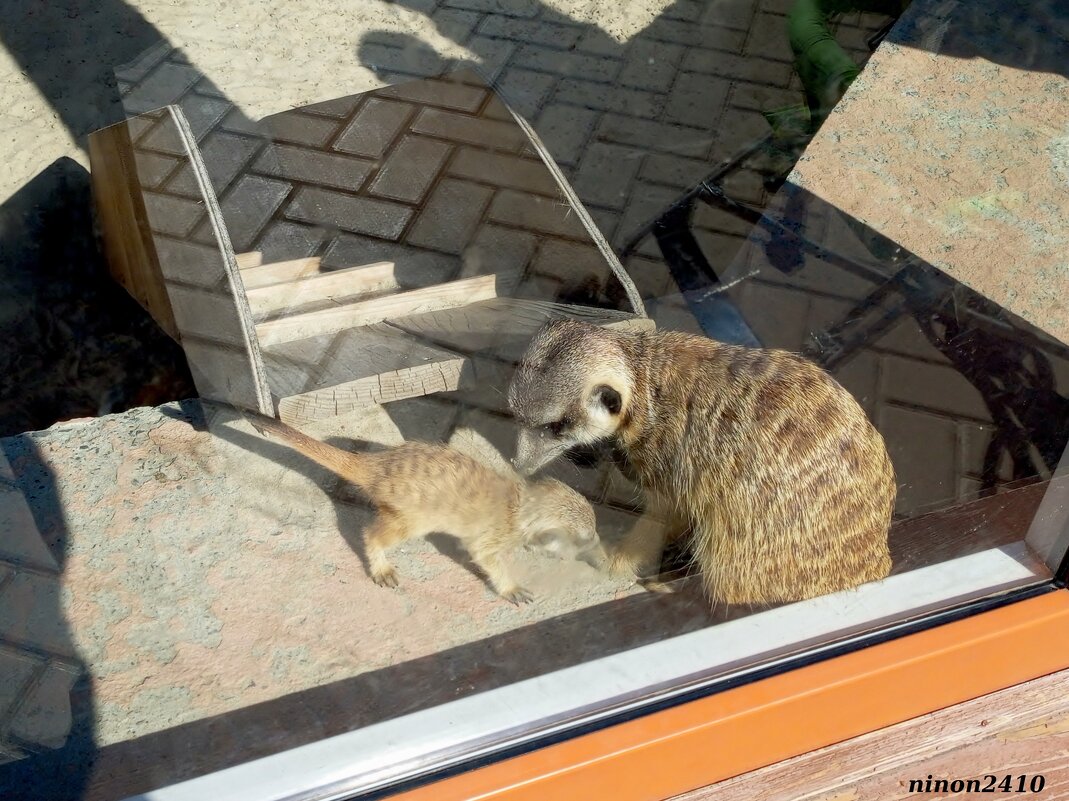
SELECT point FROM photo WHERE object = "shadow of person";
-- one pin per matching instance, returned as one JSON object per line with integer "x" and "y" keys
{"x": 48, "y": 720}
{"x": 69, "y": 50}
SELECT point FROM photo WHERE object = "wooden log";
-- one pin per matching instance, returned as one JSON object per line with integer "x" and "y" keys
{"x": 321, "y": 288}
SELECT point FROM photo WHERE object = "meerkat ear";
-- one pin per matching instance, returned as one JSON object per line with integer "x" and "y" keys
{"x": 609, "y": 398}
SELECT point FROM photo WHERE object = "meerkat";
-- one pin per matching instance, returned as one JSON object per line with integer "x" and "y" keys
{"x": 419, "y": 488}
{"x": 784, "y": 486}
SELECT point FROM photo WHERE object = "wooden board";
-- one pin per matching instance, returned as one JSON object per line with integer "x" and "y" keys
{"x": 365, "y": 312}
{"x": 307, "y": 289}
{"x": 123, "y": 223}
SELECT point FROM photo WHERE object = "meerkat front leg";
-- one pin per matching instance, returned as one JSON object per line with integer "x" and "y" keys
{"x": 638, "y": 554}
{"x": 489, "y": 560}
{"x": 385, "y": 530}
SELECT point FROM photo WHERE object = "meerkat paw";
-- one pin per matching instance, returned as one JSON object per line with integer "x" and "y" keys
{"x": 620, "y": 566}
{"x": 518, "y": 596}
{"x": 385, "y": 577}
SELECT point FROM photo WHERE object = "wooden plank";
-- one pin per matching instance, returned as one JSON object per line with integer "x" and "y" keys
{"x": 1023, "y": 729}
{"x": 253, "y": 258}
{"x": 323, "y": 288}
{"x": 967, "y": 528}
{"x": 279, "y": 272}
{"x": 503, "y": 326}
{"x": 366, "y": 312}
{"x": 128, "y": 245}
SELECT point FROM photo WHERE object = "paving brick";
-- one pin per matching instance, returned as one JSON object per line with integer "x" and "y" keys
{"x": 505, "y": 136}
{"x": 152, "y": 168}
{"x": 675, "y": 31}
{"x": 565, "y": 131}
{"x": 494, "y": 54}
{"x": 412, "y": 62}
{"x": 313, "y": 166}
{"x": 595, "y": 95}
{"x": 906, "y": 338}
{"x": 745, "y": 185}
{"x": 301, "y": 129}
{"x": 768, "y": 38}
{"x": 236, "y": 121}
{"x": 357, "y": 214}
{"x": 777, "y": 6}
{"x": 671, "y": 313}
{"x": 651, "y": 277}
{"x": 373, "y": 128}
{"x": 248, "y": 206}
{"x": 284, "y": 241}
{"x": 647, "y": 203}
{"x": 455, "y": 24}
{"x": 686, "y": 10}
{"x": 861, "y": 375}
{"x": 855, "y": 40}
{"x": 927, "y": 480}
{"x": 164, "y": 85}
{"x": 825, "y": 312}
{"x": 410, "y": 169}
{"x": 339, "y": 108}
{"x": 137, "y": 126}
{"x": 514, "y": 8}
{"x": 497, "y": 250}
{"x": 16, "y": 668}
{"x": 936, "y": 387}
{"x": 973, "y": 440}
{"x": 656, "y": 136}
{"x": 776, "y": 316}
{"x": 187, "y": 262}
{"x": 747, "y": 68}
{"x": 501, "y": 170}
{"x": 605, "y": 175}
{"x": 736, "y": 14}
{"x": 525, "y": 90}
{"x": 595, "y": 40}
{"x": 719, "y": 249}
{"x": 31, "y": 613}
{"x": 697, "y": 99}
{"x": 581, "y": 65}
{"x": 224, "y": 155}
{"x": 447, "y": 94}
{"x": 739, "y": 128}
{"x": 412, "y": 266}
{"x": 171, "y": 215}
{"x": 651, "y": 65}
{"x": 763, "y": 98}
{"x": 45, "y": 717}
{"x": 572, "y": 264}
{"x": 540, "y": 214}
{"x": 203, "y": 113}
{"x": 678, "y": 171}
{"x": 542, "y": 32}
{"x": 605, "y": 220}
{"x": 138, "y": 68}
{"x": 449, "y": 218}
{"x": 21, "y": 541}
{"x": 717, "y": 220}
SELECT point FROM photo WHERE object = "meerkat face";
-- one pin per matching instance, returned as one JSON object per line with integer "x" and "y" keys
{"x": 570, "y": 389}
{"x": 561, "y": 521}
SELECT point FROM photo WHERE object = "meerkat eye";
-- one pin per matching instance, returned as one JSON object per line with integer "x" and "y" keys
{"x": 558, "y": 427}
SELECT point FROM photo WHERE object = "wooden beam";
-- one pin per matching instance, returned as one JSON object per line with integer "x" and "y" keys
{"x": 279, "y": 271}
{"x": 367, "y": 312}
{"x": 337, "y": 285}
{"x": 245, "y": 261}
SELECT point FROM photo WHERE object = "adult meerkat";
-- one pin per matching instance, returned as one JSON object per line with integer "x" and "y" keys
{"x": 419, "y": 488}
{"x": 784, "y": 483}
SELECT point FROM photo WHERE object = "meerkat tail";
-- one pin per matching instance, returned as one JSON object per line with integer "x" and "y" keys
{"x": 347, "y": 465}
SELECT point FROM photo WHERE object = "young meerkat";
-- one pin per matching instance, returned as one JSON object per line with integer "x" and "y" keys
{"x": 419, "y": 488}
{"x": 784, "y": 484}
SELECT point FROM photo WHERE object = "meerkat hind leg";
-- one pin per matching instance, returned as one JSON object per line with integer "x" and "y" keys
{"x": 639, "y": 552}
{"x": 387, "y": 529}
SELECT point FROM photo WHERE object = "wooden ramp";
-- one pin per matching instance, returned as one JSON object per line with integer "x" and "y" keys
{"x": 352, "y": 252}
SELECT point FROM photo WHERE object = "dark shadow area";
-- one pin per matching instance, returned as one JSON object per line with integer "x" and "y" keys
{"x": 48, "y": 722}
{"x": 76, "y": 345}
